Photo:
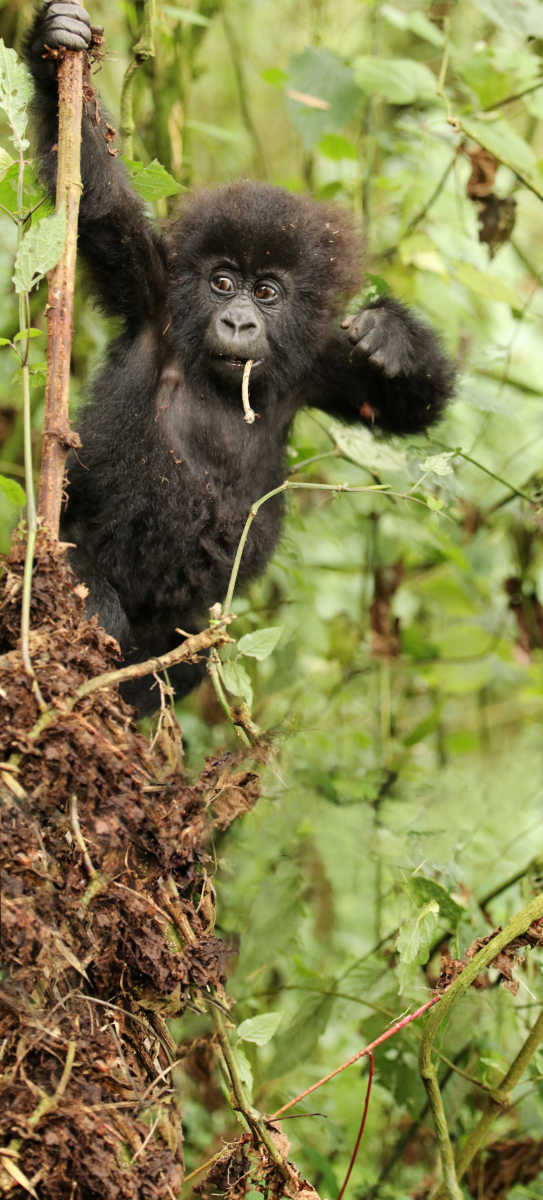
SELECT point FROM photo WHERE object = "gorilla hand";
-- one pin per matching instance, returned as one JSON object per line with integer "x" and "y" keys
{"x": 66, "y": 24}
{"x": 381, "y": 336}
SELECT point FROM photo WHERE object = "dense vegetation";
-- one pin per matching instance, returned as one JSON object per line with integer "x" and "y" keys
{"x": 405, "y": 693}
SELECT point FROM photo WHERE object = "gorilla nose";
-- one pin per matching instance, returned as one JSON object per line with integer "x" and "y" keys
{"x": 239, "y": 325}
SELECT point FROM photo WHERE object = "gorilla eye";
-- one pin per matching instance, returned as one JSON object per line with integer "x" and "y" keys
{"x": 223, "y": 283}
{"x": 266, "y": 292}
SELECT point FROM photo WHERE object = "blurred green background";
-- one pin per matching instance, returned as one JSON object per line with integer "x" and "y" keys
{"x": 406, "y": 691}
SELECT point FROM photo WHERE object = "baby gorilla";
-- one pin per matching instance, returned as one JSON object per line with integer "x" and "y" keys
{"x": 168, "y": 469}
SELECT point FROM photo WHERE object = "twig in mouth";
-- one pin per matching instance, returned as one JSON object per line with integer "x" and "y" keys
{"x": 249, "y": 414}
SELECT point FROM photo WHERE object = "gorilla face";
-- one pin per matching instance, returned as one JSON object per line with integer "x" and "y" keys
{"x": 245, "y": 310}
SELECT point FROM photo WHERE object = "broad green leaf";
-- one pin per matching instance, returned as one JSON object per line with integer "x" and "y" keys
{"x": 440, "y": 464}
{"x": 486, "y": 285}
{"x": 186, "y": 15}
{"x": 8, "y": 188}
{"x": 275, "y": 77}
{"x": 485, "y": 401}
{"x": 261, "y": 643}
{"x": 216, "y": 132}
{"x": 12, "y": 490}
{"x": 297, "y": 1043}
{"x": 259, "y": 1029}
{"x": 5, "y": 161}
{"x": 428, "y": 889}
{"x": 40, "y": 251}
{"x": 238, "y": 681}
{"x": 319, "y": 73}
{"x": 244, "y": 1068}
{"x": 359, "y": 445}
{"x": 524, "y": 17}
{"x": 417, "y": 22}
{"x": 420, "y": 251}
{"x": 24, "y": 334}
{"x": 424, "y": 728}
{"x": 336, "y": 148}
{"x": 433, "y": 503}
{"x": 414, "y": 942}
{"x": 490, "y": 84}
{"x": 397, "y": 80}
{"x": 15, "y": 92}
{"x": 152, "y": 182}
{"x": 5, "y": 342}
{"x": 508, "y": 147}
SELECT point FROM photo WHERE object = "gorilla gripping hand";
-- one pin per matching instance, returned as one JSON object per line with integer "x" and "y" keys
{"x": 66, "y": 24}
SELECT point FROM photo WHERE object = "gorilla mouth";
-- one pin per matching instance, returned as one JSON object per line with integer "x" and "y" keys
{"x": 232, "y": 361}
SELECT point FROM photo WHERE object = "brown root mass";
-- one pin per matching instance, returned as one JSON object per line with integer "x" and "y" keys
{"x": 108, "y": 909}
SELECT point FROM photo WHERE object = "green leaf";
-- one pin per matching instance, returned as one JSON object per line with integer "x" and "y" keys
{"x": 397, "y": 80}
{"x": 297, "y": 1043}
{"x": 186, "y": 15}
{"x": 486, "y": 285}
{"x": 5, "y": 342}
{"x": 28, "y": 333}
{"x": 336, "y": 148}
{"x": 414, "y": 942}
{"x": 417, "y": 22}
{"x": 433, "y": 503}
{"x": 15, "y": 92}
{"x": 244, "y": 1068}
{"x": 12, "y": 490}
{"x": 259, "y": 1029}
{"x": 426, "y": 889}
{"x": 261, "y": 643}
{"x": 274, "y": 76}
{"x": 508, "y": 147}
{"x": 425, "y": 727}
{"x": 440, "y": 464}
{"x": 319, "y": 73}
{"x": 238, "y": 681}
{"x": 40, "y": 251}
{"x": 6, "y": 161}
{"x": 485, "y": 401}
{"x": 524, "y": 17}
{"x": 152, "y": 182}
{"x": 361, "y": 447}
{"x": 490, "y": 84}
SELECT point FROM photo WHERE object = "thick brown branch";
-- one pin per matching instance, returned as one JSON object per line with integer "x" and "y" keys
{"x": 57, "y": 436}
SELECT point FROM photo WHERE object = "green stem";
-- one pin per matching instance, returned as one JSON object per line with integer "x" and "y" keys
{"x": 487, "y": 471}
{"x": 500, "y": 1097}
{"x": 451, "y": 1186}
{"x": 517, "y": 926}
{"x": 251, "y": 1115}
{"x": 143, "y": 50}
{"x": 288, "y": 486}
{"x": 214, "y": 672}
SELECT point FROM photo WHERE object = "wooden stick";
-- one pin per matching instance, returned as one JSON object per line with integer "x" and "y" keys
{"x": 57, "y": 435}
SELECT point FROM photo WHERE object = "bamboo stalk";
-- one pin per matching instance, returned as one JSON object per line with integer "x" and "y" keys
{"x": 57, "y": 436}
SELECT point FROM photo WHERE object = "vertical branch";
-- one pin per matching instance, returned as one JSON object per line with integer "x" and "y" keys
{"x": 31, "y": 518}
{"x": 57, "y": 436}
{"x": 143, "y": 50}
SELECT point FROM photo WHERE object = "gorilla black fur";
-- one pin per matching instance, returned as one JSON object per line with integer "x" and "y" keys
{"x": 168, "y": 469}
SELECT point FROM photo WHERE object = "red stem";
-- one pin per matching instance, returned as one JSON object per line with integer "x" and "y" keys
{"x": 361, "y": 1131}
{"x": 367, "y": 1050}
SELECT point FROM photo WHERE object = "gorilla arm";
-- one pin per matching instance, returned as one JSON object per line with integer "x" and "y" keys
{"x": 388, "y": 369}
{"x": 125, "y": 256}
